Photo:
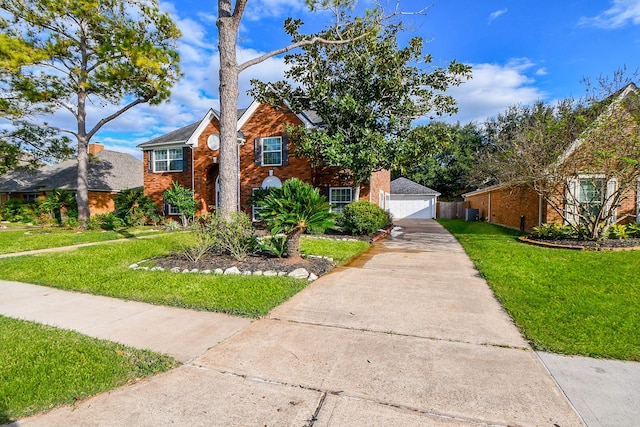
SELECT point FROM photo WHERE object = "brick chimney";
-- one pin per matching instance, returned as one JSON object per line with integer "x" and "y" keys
{"x": 95, "y": 148}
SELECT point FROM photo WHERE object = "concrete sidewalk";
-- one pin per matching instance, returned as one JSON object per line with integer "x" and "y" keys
{"x": 407, "y": 335}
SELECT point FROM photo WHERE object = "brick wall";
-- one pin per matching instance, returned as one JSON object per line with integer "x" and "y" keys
{"x": 506, "y": 206}
{"x": 101, "y": 202}
{"x": 264, "y": 122}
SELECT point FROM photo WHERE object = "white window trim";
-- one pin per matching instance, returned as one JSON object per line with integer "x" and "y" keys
{"x": 254, "y": 208}
{"x": 262, "y": 150}
{"x": 168, "y": 160}
{"x": 172, "y": 210}
{"x": 341, "y": 202}
{"x": 574, "y": 189}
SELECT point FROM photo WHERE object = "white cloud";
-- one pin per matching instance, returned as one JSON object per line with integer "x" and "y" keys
{"x": 260, "y": 9}
{"x": 495, "y": 15}
{"x": 492, "y": 89}
{"x": 620, "y": 14}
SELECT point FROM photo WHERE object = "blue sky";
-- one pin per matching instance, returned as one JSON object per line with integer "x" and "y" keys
{"x": 520, "y": 51}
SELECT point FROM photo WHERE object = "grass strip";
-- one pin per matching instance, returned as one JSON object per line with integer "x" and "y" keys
{"x": 44, "y": 367}
{"x": 103, "y": 270}
{"x": 564, "y": 301}
{"x": 27, "y": 240}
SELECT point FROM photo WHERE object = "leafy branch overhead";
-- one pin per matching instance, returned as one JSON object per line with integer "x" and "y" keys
{"x": 367, "y": 93}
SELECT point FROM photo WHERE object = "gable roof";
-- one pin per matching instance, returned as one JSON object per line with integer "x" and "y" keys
{"x": 406, "y": 186}
{"x": 188, "y": 135}
{"x": 108, "y": 171}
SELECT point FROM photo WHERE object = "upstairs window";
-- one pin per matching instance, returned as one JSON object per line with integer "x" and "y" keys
{"x": 168, "y": 160}
{"x": 272, "y": 151}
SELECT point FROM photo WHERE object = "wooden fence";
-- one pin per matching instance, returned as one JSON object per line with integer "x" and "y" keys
{"x": 450, "y": 210}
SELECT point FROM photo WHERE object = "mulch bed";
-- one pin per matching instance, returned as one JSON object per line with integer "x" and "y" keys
{"x": 589, "y": 245}
{"x": 317, "y": 266}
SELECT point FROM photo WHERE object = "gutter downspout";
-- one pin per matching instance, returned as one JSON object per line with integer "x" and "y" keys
{"x": 489, "y": 208}
{"x": 238, "y": 180}
{"x": 539, "y": 210}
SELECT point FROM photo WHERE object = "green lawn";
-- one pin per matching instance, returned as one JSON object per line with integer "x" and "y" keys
{"x": 27, "y": 240}
{"x": 43, "y": 367}
{"x": 564, "y": 301}
{"x": 103, "y": 270}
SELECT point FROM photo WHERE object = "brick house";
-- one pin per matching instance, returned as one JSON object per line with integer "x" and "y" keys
{"x": 190, "y": 156}
{"x": 587, "y": 184}
{"x": 109, "y": 173}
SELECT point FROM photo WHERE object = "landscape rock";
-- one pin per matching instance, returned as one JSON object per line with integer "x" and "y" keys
{"x": 299, "y": 273}
{"x": 270, "y": 273}
{"x": 231, "y": 270}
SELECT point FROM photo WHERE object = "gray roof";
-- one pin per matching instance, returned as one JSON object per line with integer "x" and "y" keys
{"x": 108, "y": 171}
{"x": 406, "y": 186}
{"x": 178, "y": 136}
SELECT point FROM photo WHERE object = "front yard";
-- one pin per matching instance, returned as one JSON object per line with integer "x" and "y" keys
{"x": 104, "y": 270}
{"x": 563, "y": 301}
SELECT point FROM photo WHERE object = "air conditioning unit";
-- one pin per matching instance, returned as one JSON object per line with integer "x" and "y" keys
{"x": 471, "y": 214}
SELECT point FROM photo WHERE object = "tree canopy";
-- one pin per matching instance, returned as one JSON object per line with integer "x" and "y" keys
{"x": 367, "y": 93}
{"x": 67, "y": 56}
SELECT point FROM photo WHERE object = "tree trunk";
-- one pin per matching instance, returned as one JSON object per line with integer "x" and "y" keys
{"x": 229, "y": 93}
{"x": 82, "y": 194}
{"x": 293, "y": 245}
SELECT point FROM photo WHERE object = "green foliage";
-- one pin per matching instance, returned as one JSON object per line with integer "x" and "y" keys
{"x": 58, "y": 54}
{"x": 294, "y": 208}
{"x": 275, "y": 245}
{"x": 16, "y": 210}
{"x": 106, "y": 221}
{"x": 234, "y": 235}
{"x": 364, "y": 217}
{"x": 556, "y": 231}
{"x": 633, "y": 230}
{"x": 617, "y": 231}
{"x": 43, "y": 367}
{"x": 367, "y": 93}
{"x": 134, "y": 207}
{"x": 183, "y": 199}
{"x": 442, "y": 156}
{"x": 62, "y": 205}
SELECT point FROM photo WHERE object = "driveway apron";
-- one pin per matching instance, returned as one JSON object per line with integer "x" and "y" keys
{"x": 406, "y": 335}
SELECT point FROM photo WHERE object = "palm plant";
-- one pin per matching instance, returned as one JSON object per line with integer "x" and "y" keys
{"x": 292, "y": 209}
{"x": 60, "y": 201}
{"x": 134, "y": 207}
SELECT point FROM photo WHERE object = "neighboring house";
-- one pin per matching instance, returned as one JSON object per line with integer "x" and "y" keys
{"x": 585, "y": 187}
{"x": 109, "y": 173}
{"x": 409, "y": 199}
{"x": 190, "y": 156}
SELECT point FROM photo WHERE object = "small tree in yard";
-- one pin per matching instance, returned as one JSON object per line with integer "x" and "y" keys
{"x": 182, "y": 199}
{"x": 582, "y": 158}
{"x": 292, "y": 209}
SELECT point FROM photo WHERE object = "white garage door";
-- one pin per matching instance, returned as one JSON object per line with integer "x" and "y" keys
{"x": 412, "y": 206}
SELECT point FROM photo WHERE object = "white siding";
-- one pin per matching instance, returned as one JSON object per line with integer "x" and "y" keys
{"x": 419, "y": 206}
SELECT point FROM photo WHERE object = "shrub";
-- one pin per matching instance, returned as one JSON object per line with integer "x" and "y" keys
{"x": 633, "y": 230}
{"x": 292, "y": 209}
{"x": 617, "y": 231}
{"x": 15, "y": 210}
{"x": 182, "y": 199}
{"x": 134, "y": 207}
{"x": 275, "y": 245}
{"x": 234, "y": 236}
{"x": 556, "y": 231}
{"x": 106, "y": 221}
{"x": 363, "y": 217}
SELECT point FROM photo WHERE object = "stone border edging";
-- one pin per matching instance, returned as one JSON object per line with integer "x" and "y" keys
{"x": 547, "y": 244}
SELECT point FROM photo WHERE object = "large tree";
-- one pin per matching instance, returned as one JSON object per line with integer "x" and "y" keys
{"x": 443, "y": 156}
{"x": 59, "y": 55}
{"x": 367, "y": 93}
{"x": 229, "y": 17}
{"x": 581, "y": 157}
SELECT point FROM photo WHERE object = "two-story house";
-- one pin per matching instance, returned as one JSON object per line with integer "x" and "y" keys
{"x": 190, "y": 156}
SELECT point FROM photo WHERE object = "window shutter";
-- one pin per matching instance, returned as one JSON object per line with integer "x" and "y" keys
{"x": 571, "y": 201}
{"x": 285, "y": 150}
{"x": 612, "y": 187}
{"x": 150, "y": 161}
{"x": 257, "y": 151}
{"x": 325, "y": 192}
{"x": 185, "y": 159}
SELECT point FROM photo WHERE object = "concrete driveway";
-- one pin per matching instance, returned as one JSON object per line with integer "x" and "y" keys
{"x": 406, "y": 335}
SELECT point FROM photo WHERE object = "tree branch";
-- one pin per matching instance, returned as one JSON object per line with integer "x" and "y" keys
{"x": 115, "y": 115}
{"x": 307, "y": 42}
